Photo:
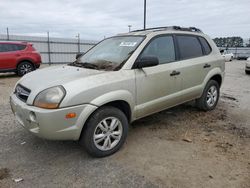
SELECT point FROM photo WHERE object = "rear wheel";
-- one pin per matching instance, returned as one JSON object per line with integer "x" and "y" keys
{"x": 247, "y": 72}
{"x": 210, "y": 96}
{"x": 24, "y": 68}
{"x": 105, "y": 132}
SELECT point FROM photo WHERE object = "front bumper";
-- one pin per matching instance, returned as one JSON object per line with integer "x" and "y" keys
{"x": 51, "y": 123}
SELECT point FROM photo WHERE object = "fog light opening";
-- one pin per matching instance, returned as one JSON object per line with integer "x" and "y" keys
{"x": 32, "y": 116}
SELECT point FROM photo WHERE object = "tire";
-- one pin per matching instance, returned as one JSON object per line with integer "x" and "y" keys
{"x": 112, "y": 141}
{"x": 207, "y": 102}
{"x": 247, "y": 72}
{"x": 24, "y": 68}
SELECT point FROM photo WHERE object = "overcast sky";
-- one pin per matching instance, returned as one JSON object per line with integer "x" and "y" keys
{"x": 94, "y": 19}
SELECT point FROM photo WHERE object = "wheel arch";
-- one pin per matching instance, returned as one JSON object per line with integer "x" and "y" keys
{"x": 215, "y": 74}
{"x": 119, "y": 99}
{"x": 121, "y": 105}
{"x": 25, "y": 60}
{"x": 217, "y": 78}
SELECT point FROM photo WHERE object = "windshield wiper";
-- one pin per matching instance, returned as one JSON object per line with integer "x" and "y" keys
{"x": 89, "y": 65}
{"x": 85, "y": 65}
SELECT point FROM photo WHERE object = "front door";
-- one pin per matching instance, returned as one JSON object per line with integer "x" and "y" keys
{"x": 158, "y": 86}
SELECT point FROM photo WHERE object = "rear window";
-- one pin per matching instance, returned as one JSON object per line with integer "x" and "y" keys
{"x": 189, "y": 46}
{"x": 206, "y": 47}
{"x": 11, "y": 47}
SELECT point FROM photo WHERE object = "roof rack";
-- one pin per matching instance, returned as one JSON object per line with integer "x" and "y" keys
{"x": 191, "y": 29}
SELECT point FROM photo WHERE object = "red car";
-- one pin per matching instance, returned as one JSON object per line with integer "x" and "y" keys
{"x": 19, "y": 57}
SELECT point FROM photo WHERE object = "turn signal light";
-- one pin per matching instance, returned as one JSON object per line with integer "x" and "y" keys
{"x": 70, "y": 115}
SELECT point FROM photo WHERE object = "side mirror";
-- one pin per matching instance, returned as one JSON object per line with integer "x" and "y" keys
{"x": 221, "y": 51}
{"x": 147, "y": 61}
{"x": 79, "y": 55}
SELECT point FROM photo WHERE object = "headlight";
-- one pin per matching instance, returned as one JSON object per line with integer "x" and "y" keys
{"x": 50, "y": 98}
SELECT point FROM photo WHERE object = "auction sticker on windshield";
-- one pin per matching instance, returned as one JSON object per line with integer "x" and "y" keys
{"x": 128, "y": 44}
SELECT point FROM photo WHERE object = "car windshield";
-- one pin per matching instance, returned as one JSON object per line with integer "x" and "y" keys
{"x": 110, "y": 54}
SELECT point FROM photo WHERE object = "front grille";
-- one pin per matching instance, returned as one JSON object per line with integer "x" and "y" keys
{"x": 22, "y": 92}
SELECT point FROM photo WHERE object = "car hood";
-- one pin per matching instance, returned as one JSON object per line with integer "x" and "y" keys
{"x": 82, "y": 86}
{"x": 55, "y": 75}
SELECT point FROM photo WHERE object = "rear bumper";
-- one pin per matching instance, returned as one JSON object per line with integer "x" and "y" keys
{"x": 51, "y": 124}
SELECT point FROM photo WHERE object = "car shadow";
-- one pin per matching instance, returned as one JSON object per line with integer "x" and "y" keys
{"x": 8, "y": 75}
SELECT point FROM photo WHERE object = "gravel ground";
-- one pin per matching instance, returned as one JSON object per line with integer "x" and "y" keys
{"x": 179, "y": 147}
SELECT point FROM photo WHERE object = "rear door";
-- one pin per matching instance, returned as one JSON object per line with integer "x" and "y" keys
{"x": 157, "y": 86}
{"x": 8, "y": 55}
{"x": 194, "y": 64}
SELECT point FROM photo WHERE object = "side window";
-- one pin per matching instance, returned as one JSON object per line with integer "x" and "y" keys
{"x": 5, "y": 48}
{"x": 20, "y": 47}
{"x": 189, "y": 46}
{"x": 1, "y": 48}
{"x": 11, "y": 47}
{"x": 206, "y": 47}
{"x": 162, "y": 48}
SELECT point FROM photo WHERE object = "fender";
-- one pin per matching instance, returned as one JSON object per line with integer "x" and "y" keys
{"x": 87, "y": 111}
{"x": 122, "y": 95}
{"x": 25, "y": 59}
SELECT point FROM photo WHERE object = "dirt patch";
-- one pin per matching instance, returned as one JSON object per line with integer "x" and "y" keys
{"x": 229, "y": 97}
{"x": 4, "y": 173}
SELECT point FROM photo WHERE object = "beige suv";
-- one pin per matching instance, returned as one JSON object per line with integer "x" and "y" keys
{"x": 121, "y": 79}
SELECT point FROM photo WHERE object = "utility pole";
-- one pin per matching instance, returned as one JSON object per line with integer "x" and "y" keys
{"x": 8, "y": 36}
{"x": 129, "y": 28}
{"x": 145, "y": 14}
{"x": 49, "y": 52}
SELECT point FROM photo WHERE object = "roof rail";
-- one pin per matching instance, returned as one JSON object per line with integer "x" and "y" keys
{"x": 191, "y": 29}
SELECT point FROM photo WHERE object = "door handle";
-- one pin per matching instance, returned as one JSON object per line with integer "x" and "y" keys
{"x": 174, "y": 73}
{"x": 206, "y": 66}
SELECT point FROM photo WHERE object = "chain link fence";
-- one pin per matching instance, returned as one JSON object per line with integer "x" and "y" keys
{"x": 54, "y": 50}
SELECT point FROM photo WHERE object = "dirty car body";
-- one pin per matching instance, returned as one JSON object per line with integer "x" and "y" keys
{"x": 114, "y": 83}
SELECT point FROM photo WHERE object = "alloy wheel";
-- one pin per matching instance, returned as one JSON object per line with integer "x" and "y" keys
{"x": 108, "y": 133}
{"x": 212, "y": 96}
{"x": 25, "y": 68}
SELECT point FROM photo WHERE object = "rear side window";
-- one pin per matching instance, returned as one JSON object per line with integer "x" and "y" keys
{"x": 206, "y": 47}
{"x": 20, "y": 47}
{"x": 162, "y": 48}
{"x": 189, "y": 46}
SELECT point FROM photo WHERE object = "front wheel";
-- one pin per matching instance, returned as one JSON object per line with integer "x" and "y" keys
{"x": 247, "y": 72}
{"x": 210, "y": 96}
{"x": 105, "y": 132}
